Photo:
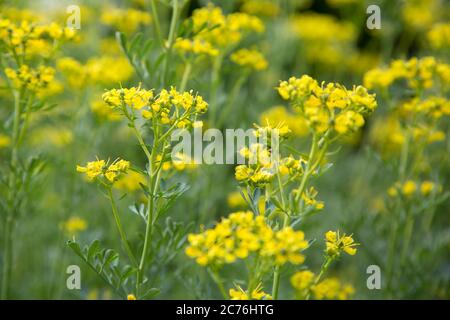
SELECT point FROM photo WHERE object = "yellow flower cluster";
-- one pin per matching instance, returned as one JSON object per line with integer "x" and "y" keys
{"x": 439, "y": 36}
{"x": 410, "y": 187}
{"x": 171, "y": 106}
{"x": 32, "y": 79}
{"x": 57, "y": 137}
{"x": 418, "y": 73}
{"x": 74, "y": 225}
{"x": 433, "y": 107}
{"x": 24, "y": 37}
{"x": 259, "y": 170}
{"x": 134, "y": 97}
{"x": 179, "y": 162}
{"x": 125, "y": 20}
{"x": 331, "y": 288}
{"x": 302, "y": 280}
{"x": 242, "y": 234}
{"x": 279, "y": 114}
{"x": 419, "y": 14}
{"x": 221, "y": 31}
{"x": 309, "y": 198}
{"x": 103, "y": 111}
{"x": 329, "y": 106}
{"x": 100, "y": 168}
{"x": 388, "y": 135}
{"x": 102, "y": 70}
{"x": 326, "y": 40}
{"x": 335, "y": 243}
{"x": 195, "y": 46}
{"x": 130, "y": 182}
{"x": 260, "y": 8}
{"x": 241, "y": 294}
{"x": 252, "y": 59}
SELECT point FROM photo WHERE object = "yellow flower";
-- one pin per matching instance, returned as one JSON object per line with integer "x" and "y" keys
{"x": 241, "y": 294}
{"x": 196, "y": 46}
{"x": 243, "y": 234}
{"x": 130, "y": 181}
{"x": 348, "y": 121}
{"x": 409, "y": 188}
{"x": 302, "y": 280}
{"x": 252, "y": 59}
{"x": 4, "y": 141}
{"x": 335, "y": 243}
{"x": 235, "y": 200}
{"x": 74, "y": 225}
{"x": 131, "y": 297}
{"x": 133, "y": 97}
{"x": 260, "y": 8}
{"x": 427, "y": 187}
{"x": 332, "y": 288}
{"x": 99, "y": 168}
{"x": 296, "y": 124}
{"x": 125, "y": 20}
{"x": 439, "y": 36}
{"x": 33, "y": 79}
{"x": 93, "y": 169}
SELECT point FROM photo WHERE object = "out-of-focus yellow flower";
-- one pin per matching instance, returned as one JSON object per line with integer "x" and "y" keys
{"x": 249, "y": 58}
{"x": 418, "y": 73}
{"x": 279, "y": 114}
{"x": 195, "y": 46}
{"x": 326, "y": 40}
{"x": 420, "y": 14}
{"x": 439, "y": 36}
{"x": 131, "y": 297}
{"x": 260, "y": 8}
{"x": 33, "y": 79}
{"x": 74, "y": 225}
{"x": 302, "y": 280}
{"x": 427, "y": 187}
{"x": 235, "y": 200}
{"x": 409, "y": 188}
{"x": 211, "y": 25}
{"x": 125, "y": 20}
{"x": 5, "y": 141}
{"x": 332, "y": 288}
{"x": 58, "y": 137}
{"x": 130, "y": 181}
{"x": 103, "y": 70}
{"x": 103, "y": 111}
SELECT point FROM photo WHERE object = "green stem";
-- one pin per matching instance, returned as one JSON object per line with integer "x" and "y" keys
{"x": 215, "y": 77}
{"x": 7, "y": 251}
{"x": 409, "y": 226}
{"x": 323, "y": 270}
{"x": 157, "y": 23}
{"x": 287, "y": 219}
{"x": 184, "y": 79}
{"x": 404, "y": 159}
{"x": 170, "y": 40}
{"x": 10, "y": 216}
{"x": 231, "y": 101}
{"x": 120, "y": 228}
{"x": 219, "y": 283}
